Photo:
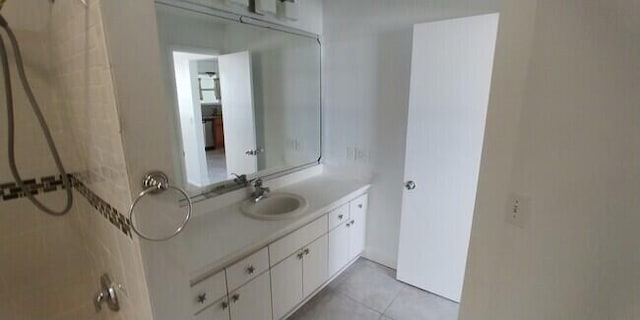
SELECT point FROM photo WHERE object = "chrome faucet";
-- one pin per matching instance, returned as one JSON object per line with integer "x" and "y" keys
{"x": 260, "y": 192}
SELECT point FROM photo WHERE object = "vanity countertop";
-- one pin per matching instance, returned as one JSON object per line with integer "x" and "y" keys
{"x": 219, "y": 238}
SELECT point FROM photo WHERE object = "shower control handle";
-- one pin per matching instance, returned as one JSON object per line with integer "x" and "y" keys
{"x": 107, "y": 294}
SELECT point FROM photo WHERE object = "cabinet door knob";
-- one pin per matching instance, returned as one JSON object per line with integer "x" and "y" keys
{"x": 360, "y": 206}
{"x": 340, "y": 216}
{"x": 251, "y": 270}
{"x": 300, "y": 255}
{"x": 224, "y": 305}
{"x": 410, "y": 185}
{"x": 353, "y": 222}
{"x": 235, "y": 297}
{"x": 202, "y": 298}
{"x": 306, "y": 251}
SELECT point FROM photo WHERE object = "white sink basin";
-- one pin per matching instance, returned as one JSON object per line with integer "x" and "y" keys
{"x": 276, "y": 206}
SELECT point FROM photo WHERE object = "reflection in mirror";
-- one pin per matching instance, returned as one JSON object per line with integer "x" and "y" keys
{"x": 246, "y": 99}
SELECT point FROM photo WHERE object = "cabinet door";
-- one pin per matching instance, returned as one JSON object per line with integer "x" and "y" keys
{"x": 217, "y": 311}
{"x": 339, "y": 254}
{"x": 358, "y": 226}
{"x": 286, "y": 284}
{"x": 253, "y": 300}
{"x": 315, "y": 265}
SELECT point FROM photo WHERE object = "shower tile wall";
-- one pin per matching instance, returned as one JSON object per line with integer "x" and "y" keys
{"x": 49, "y": 267}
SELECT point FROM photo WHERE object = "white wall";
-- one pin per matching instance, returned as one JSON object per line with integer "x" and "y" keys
{"x": 563, "y": 128}
{"x": 366, "y": 74}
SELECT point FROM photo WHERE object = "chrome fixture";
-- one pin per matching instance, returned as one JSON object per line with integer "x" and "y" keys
{"x": 153, "y": 183}
{"x": 410, "y": 185}
{"x": 255, "y": 152}
{"x": 251, "y": 269}
{"x": 240, "y": 179}
{"x": 107, "y": 294}
{"x": 260, "y": 192}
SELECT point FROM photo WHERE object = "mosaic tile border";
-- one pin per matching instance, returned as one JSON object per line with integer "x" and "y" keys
{"x": 104, "y": 208}
{"x": 11, "y": 191}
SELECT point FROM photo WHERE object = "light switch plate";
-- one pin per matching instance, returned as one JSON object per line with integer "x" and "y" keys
{"x": 518, "y": 210}
{"x": 244, "y": 3}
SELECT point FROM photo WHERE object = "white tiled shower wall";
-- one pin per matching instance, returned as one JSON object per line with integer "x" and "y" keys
{"x": 51, "y": 266}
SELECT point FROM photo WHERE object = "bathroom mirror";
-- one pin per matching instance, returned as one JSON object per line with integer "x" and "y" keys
{"x": 246, "y": 98}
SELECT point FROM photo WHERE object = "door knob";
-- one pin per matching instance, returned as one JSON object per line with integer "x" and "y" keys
{"x": 410, "y": 185}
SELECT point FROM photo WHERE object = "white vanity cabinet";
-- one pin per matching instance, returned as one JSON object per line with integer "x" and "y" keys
{"x": 347, "y": 239}
{"x": 303, "y": 271}
{"x": 253, "y": 300}
{"x": 298, "y": 276}
{"x": 272, "y": 282}
{"x": 357, "y": 225}
{"x": 217, "y": 311}
{"x": 339, "y": 255}
{"x": 286, "y": 284}
{"x": 314, "y": 266}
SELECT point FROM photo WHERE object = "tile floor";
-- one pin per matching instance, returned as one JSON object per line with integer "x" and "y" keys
{"x": 369, "y": 291}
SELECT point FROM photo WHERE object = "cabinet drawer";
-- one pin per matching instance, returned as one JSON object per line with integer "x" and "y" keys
{"x": 204, "y": 293}
{"x": 338, "y": 216}
{"x": 284, "y": 247}
{"x": 248, "y": 268}
{"x": 359, "y": 205}
{"x": 218, "y": 311}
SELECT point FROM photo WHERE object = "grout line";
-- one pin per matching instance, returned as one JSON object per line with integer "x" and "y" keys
{"x": 384, "y": 313}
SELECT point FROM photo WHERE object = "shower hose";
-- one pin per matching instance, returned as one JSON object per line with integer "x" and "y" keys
{"x": 43, "y": 124}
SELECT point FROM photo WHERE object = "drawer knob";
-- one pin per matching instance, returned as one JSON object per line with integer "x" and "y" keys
{"x": 306, "y": 251}
{"x": 353, "y": 222}
{"x": 348, "y": 224}
{"x": 224, "y": 305}
{"x": 202, "y": 298}
{"x": 340, "y": 216}
{"x": 300, "y": 255}
{"x": 251, "y": 270}
{"x": 235, "y": 297}
{"x": 360, "y": 206}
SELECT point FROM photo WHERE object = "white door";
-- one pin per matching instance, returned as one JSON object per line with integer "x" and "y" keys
{"x": 286, "y": 284}
{"x": 314, "y": 266}
{"x": 236, "y": 85}
{"x": 253, "y": 300}
{"x": 357, "y": 226}
{"x": 338, "y": 248}
{"x": 451, "y": 70}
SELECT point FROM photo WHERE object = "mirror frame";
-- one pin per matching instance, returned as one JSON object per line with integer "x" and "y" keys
{"x": 226, "y": 186}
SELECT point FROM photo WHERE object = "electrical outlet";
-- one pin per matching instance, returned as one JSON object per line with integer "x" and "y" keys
{"x": 361, "y": 155}
{"x": 518, "y": 210}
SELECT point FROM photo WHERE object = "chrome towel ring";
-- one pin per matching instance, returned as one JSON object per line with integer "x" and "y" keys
{"x": 153, "y": 183}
